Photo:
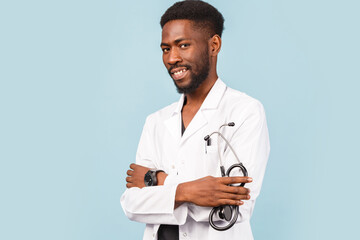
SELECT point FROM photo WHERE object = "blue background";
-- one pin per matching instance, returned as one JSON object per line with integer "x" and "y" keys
{"x": 78, "y": 79}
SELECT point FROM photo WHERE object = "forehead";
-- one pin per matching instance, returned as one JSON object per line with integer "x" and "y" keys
{"x": 181, "y": 29}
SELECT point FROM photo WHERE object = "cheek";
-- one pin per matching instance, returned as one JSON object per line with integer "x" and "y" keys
{"x": 198, "y": 59}
{"x": 198, "y": 64}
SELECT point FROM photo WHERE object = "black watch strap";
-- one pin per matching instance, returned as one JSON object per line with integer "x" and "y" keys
{"x": 150, "y": 178}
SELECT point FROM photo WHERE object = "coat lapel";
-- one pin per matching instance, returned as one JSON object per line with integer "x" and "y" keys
{"x": 196, "y": 123}
{"x": 173, "y": 126}
{"x": 211, "y": 102}
{"x": 173, "y": 123}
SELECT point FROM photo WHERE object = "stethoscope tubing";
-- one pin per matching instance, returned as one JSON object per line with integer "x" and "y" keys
{"x": 233, "y": 208}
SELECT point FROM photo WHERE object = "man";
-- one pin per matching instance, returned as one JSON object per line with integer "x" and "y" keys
{"x": 181, "y": 171}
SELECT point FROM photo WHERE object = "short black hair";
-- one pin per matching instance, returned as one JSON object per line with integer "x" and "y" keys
{"x": 204, "y": 15}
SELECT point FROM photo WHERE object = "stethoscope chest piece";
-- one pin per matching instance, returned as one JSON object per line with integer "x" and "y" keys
{"x": 227, "y": 215}
{"x": 225, "y": 212}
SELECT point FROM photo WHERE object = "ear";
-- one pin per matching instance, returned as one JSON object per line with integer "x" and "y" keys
{"x": 214, "y": 45}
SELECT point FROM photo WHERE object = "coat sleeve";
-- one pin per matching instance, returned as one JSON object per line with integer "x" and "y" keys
{"x": 152, "y": 205}
{"x": 251, "y": 144}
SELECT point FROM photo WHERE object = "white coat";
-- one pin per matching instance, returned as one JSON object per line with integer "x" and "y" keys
{"x": 185, "y": 158}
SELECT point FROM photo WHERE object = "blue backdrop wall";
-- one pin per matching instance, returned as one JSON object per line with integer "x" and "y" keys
{"x": 78, "y": 79}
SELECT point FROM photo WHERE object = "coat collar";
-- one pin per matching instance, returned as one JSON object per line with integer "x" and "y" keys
{"x": 211, "y": 101}
{"x": 213, "y": 98}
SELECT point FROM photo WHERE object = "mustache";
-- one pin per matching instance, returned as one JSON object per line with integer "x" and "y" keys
{"x": 177, "y": 66}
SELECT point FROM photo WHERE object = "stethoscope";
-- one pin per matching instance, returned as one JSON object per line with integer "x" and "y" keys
{"x": 227, "y": 213}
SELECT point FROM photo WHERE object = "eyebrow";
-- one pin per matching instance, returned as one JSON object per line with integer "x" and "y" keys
{"x": 176, "y": 41}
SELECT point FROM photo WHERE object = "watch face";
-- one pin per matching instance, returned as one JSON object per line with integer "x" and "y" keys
{"x": 148, "y": 179}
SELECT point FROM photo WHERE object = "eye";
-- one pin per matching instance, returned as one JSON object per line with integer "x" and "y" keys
{"x": 184, "y": 45}
{"x": 165, "y": 50}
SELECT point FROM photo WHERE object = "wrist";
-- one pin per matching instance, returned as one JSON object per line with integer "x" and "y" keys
{"x": 161, "y": 176}
{"x": 151, "y": 178}
{"x": 180, "y": 195}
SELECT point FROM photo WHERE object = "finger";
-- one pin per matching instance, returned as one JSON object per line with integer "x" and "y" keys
{"x": 235, "y": 190}
{"x": 129, "y": 172}
{"x": 234, "y": 180}
{"x": 234, "y": 196}
{"x": 128, "y": 185}
{"x": 230, "y": 202}
{"x": 133, "y": 166}
{"x": 129, "y": 179}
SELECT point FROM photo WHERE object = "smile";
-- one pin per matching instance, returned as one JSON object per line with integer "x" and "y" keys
{"x": 178, "y": 74}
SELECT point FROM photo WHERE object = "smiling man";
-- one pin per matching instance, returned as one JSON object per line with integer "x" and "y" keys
{"x": 177, "y": 178}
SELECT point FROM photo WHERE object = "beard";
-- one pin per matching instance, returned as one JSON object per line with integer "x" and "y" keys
{"x": 203, "y": 68}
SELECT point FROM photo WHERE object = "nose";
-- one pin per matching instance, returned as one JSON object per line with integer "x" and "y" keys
{"x": 174, "y": 57}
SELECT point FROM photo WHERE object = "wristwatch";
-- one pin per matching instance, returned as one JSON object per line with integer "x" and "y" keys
{"x": 150, "y": 178}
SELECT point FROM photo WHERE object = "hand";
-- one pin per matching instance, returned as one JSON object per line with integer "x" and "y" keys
{"x": 213, "y": 191}
{"x": 136, "y": 175}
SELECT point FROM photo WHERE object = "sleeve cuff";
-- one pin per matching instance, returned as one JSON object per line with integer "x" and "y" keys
{"x": 171, "y": 179}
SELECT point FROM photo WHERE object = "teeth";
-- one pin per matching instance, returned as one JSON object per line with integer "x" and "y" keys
{"x": 178, "y": 72}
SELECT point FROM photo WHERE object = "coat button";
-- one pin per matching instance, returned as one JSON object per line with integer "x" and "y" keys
{"x": 184, "y": 234}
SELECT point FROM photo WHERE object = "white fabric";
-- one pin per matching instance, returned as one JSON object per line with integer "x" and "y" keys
{"x": 185, "y": 158}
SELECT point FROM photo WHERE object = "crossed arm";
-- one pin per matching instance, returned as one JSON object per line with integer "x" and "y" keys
{"x": 207, "y": 192}
{"x": 164, "y": 204}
